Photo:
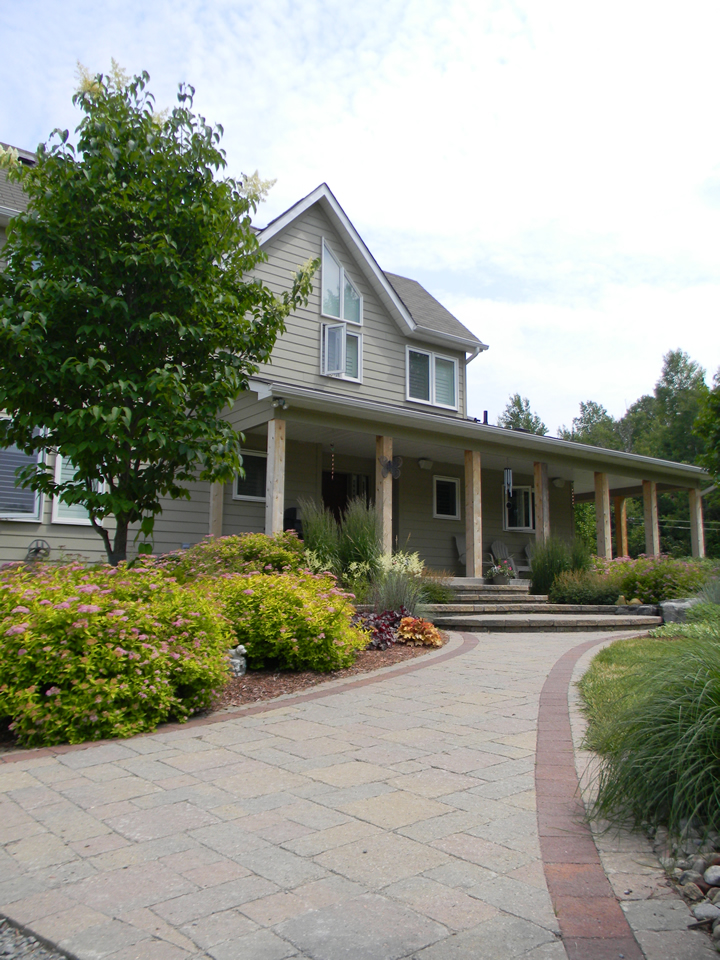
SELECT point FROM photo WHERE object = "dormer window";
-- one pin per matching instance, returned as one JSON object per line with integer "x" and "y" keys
{"x": 340, "y": 297}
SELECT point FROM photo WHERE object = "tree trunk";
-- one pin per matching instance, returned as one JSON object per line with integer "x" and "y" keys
{"x": 119, "y": 548}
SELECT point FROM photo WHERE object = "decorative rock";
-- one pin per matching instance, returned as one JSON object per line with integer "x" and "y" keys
{"x": 706, "y": 911}
{"x": 691, "y": 891}
{"x": 238, "y": 661}
{"x": 675, "y": 611}
{"x": 700, "y": 865}
{"x": 691, "y": 876}
{"x": 714, "y": 895}
{"x": 712, "y": 876}
{"x": 716, "y": 929}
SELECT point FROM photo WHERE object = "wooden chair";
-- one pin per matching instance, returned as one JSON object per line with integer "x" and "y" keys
{"x": 500, "y": 551}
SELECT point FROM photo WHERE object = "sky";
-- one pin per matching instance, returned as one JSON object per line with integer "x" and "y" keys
{"x": 549, "y": 170}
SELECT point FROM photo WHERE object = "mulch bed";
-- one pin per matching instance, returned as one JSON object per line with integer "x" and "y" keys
{"x": 260, "y": 685}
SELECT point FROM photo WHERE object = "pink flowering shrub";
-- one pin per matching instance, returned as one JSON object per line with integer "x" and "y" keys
{"x": 90, "y": 653}
{"x": 294, "y": 621}
{"x": 246, "y": 553}
{"x": 653, "y": 579}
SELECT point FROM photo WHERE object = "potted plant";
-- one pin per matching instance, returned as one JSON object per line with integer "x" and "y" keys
{"x": 501, "y": 572}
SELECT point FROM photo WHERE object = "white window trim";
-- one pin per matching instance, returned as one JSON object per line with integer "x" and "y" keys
{"x": 506, "y": 525}
{"x": 36, "y": 517}
{"x": 351, "y": 331}
{"x": 58, "y": 504}
{"x": 432, "y": 402}
{"x": 445, "y": 516}
{"x": 243, "y": 496}
{"x": 343, "y": 272}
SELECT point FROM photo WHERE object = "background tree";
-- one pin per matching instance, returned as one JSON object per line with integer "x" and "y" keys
{"x": 594, "y": 426}
{"x": 129, "y": 318}
{"x": 518, "y": 415}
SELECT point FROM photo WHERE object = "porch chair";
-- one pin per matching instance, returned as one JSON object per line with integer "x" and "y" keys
{"x": 499, "y": 551}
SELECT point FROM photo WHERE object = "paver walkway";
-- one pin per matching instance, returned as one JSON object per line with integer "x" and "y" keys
{"x": 369, "y": 821}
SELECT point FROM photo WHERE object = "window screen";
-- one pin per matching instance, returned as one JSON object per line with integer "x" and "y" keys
{"x": 253, "y": 485}
{"x": 419, "y": 376}
{"x": 446, "y": 498}
{"x": 16, "y": 502}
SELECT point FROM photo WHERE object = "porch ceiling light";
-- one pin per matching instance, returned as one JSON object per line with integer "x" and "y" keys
{"x": 558, "y": 482}
{"x": 425, "y": 464}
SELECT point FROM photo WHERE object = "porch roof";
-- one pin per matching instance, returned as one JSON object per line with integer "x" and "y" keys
{"x": 351, "y": 424}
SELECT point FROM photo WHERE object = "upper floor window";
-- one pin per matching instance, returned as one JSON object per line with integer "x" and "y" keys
{"x": 340, "y": 297}
{"x": 341, "y": 351}
{"x": 17, "y": 503}
{"x": 432, "y": 379}
{"x": 519, "y": 512}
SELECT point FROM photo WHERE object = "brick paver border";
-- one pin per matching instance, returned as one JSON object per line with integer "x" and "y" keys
{"x": 469, "y": 642}
{"x": 591, "y": 920}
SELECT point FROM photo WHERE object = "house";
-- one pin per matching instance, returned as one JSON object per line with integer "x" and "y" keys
{"x": 366, "y": 395}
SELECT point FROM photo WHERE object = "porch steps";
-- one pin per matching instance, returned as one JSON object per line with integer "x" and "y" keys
{"x": 481, "y": 607}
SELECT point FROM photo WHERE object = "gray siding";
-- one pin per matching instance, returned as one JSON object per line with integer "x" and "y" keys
{"x": 296, "y": 357}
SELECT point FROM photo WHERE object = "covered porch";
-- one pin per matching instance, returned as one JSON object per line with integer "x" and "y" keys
{"x": 447, "y": 496}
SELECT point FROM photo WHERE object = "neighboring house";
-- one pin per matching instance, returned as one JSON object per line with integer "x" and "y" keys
{"x": 375, "y": 369}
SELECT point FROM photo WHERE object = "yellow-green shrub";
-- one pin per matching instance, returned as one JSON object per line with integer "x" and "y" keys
{"x": 292, "y": 621}
{"x": 244, "y": 553}
{"x": 106, "y": 652}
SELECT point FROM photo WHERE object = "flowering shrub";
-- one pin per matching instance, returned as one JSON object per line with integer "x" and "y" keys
{"x": 408, "y": 562}
{"x": 105, "y": 652}
{"x": 292, "y": 621}
{"x": 653, "y": 579}
{"x": 502, "y": 568}
{"x": 421, "y": 633}
{"x": 246, "y": 553}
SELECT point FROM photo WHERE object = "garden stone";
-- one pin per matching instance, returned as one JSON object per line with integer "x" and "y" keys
{"x": 700, "y": 865}
{"x": 714, "y": 895}
{"x": 691, "y": 876}
{"x": 706, "y": 911}
{"x": 712, "y": 876}
{"x": 675, "y": 611}
{"x": 238, "y": 661}
{"x": 691, "y": 891}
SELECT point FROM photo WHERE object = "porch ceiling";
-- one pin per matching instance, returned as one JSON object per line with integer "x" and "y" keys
{"x": 362, "y": 444}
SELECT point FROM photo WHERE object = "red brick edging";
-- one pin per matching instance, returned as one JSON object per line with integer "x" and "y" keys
{"x": 469, "y": 643}
{"x": 591, "y": 920}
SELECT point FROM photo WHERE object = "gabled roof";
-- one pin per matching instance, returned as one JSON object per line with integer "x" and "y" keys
{"x": 418, "y": 314}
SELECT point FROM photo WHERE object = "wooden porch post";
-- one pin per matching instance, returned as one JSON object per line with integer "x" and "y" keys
{"x": 216, "y": 509}
{"x": 275, "y": 481}
{"x": 621, "y": 539}
{"x": 542, "y": 503}
{"x": 473, "y": 514}
{"x": 383, "y": 491}
{"x": 650, "y": 511}
{"x": 602, "y": 514}
{"x": 697, "y": 532}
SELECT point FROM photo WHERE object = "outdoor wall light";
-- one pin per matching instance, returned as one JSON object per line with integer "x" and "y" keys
{"x": 425, "y": 464}
{"x": 558, "y": 482}
{"x": 280, "y": 403}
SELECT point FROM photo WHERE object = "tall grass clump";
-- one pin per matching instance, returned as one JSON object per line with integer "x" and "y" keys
{"x": 654, "y": 719}
{"x": 359, "y": 535}
{"x": 397, "y": 590}
{"x": 548, "y": 561}
{"x": 321, "y": 537}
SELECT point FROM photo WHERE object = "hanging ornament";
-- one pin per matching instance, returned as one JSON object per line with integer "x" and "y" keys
{"x": 508, "y": 481}
{"x": 332, "y": 461}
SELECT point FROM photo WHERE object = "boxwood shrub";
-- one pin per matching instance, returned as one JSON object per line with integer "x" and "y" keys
{"x": 106, "y": 652}
{"x": 292, "y": 621}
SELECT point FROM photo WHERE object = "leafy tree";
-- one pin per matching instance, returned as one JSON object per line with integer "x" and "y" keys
{"x": 594, "y": 426}
{"x": 518, "y": 415}
{"x": 708, "y": 428}
{"x": 128, "y": 316}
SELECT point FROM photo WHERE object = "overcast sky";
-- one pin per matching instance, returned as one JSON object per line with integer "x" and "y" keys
{"x": 549, "y": 170}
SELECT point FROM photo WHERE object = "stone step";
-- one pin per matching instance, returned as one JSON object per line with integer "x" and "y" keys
{"x": 530, "y": 606}
{"x": 514, "y": 598}
{"x": 474, "y": 584}
{"x": 544, "y": 622}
